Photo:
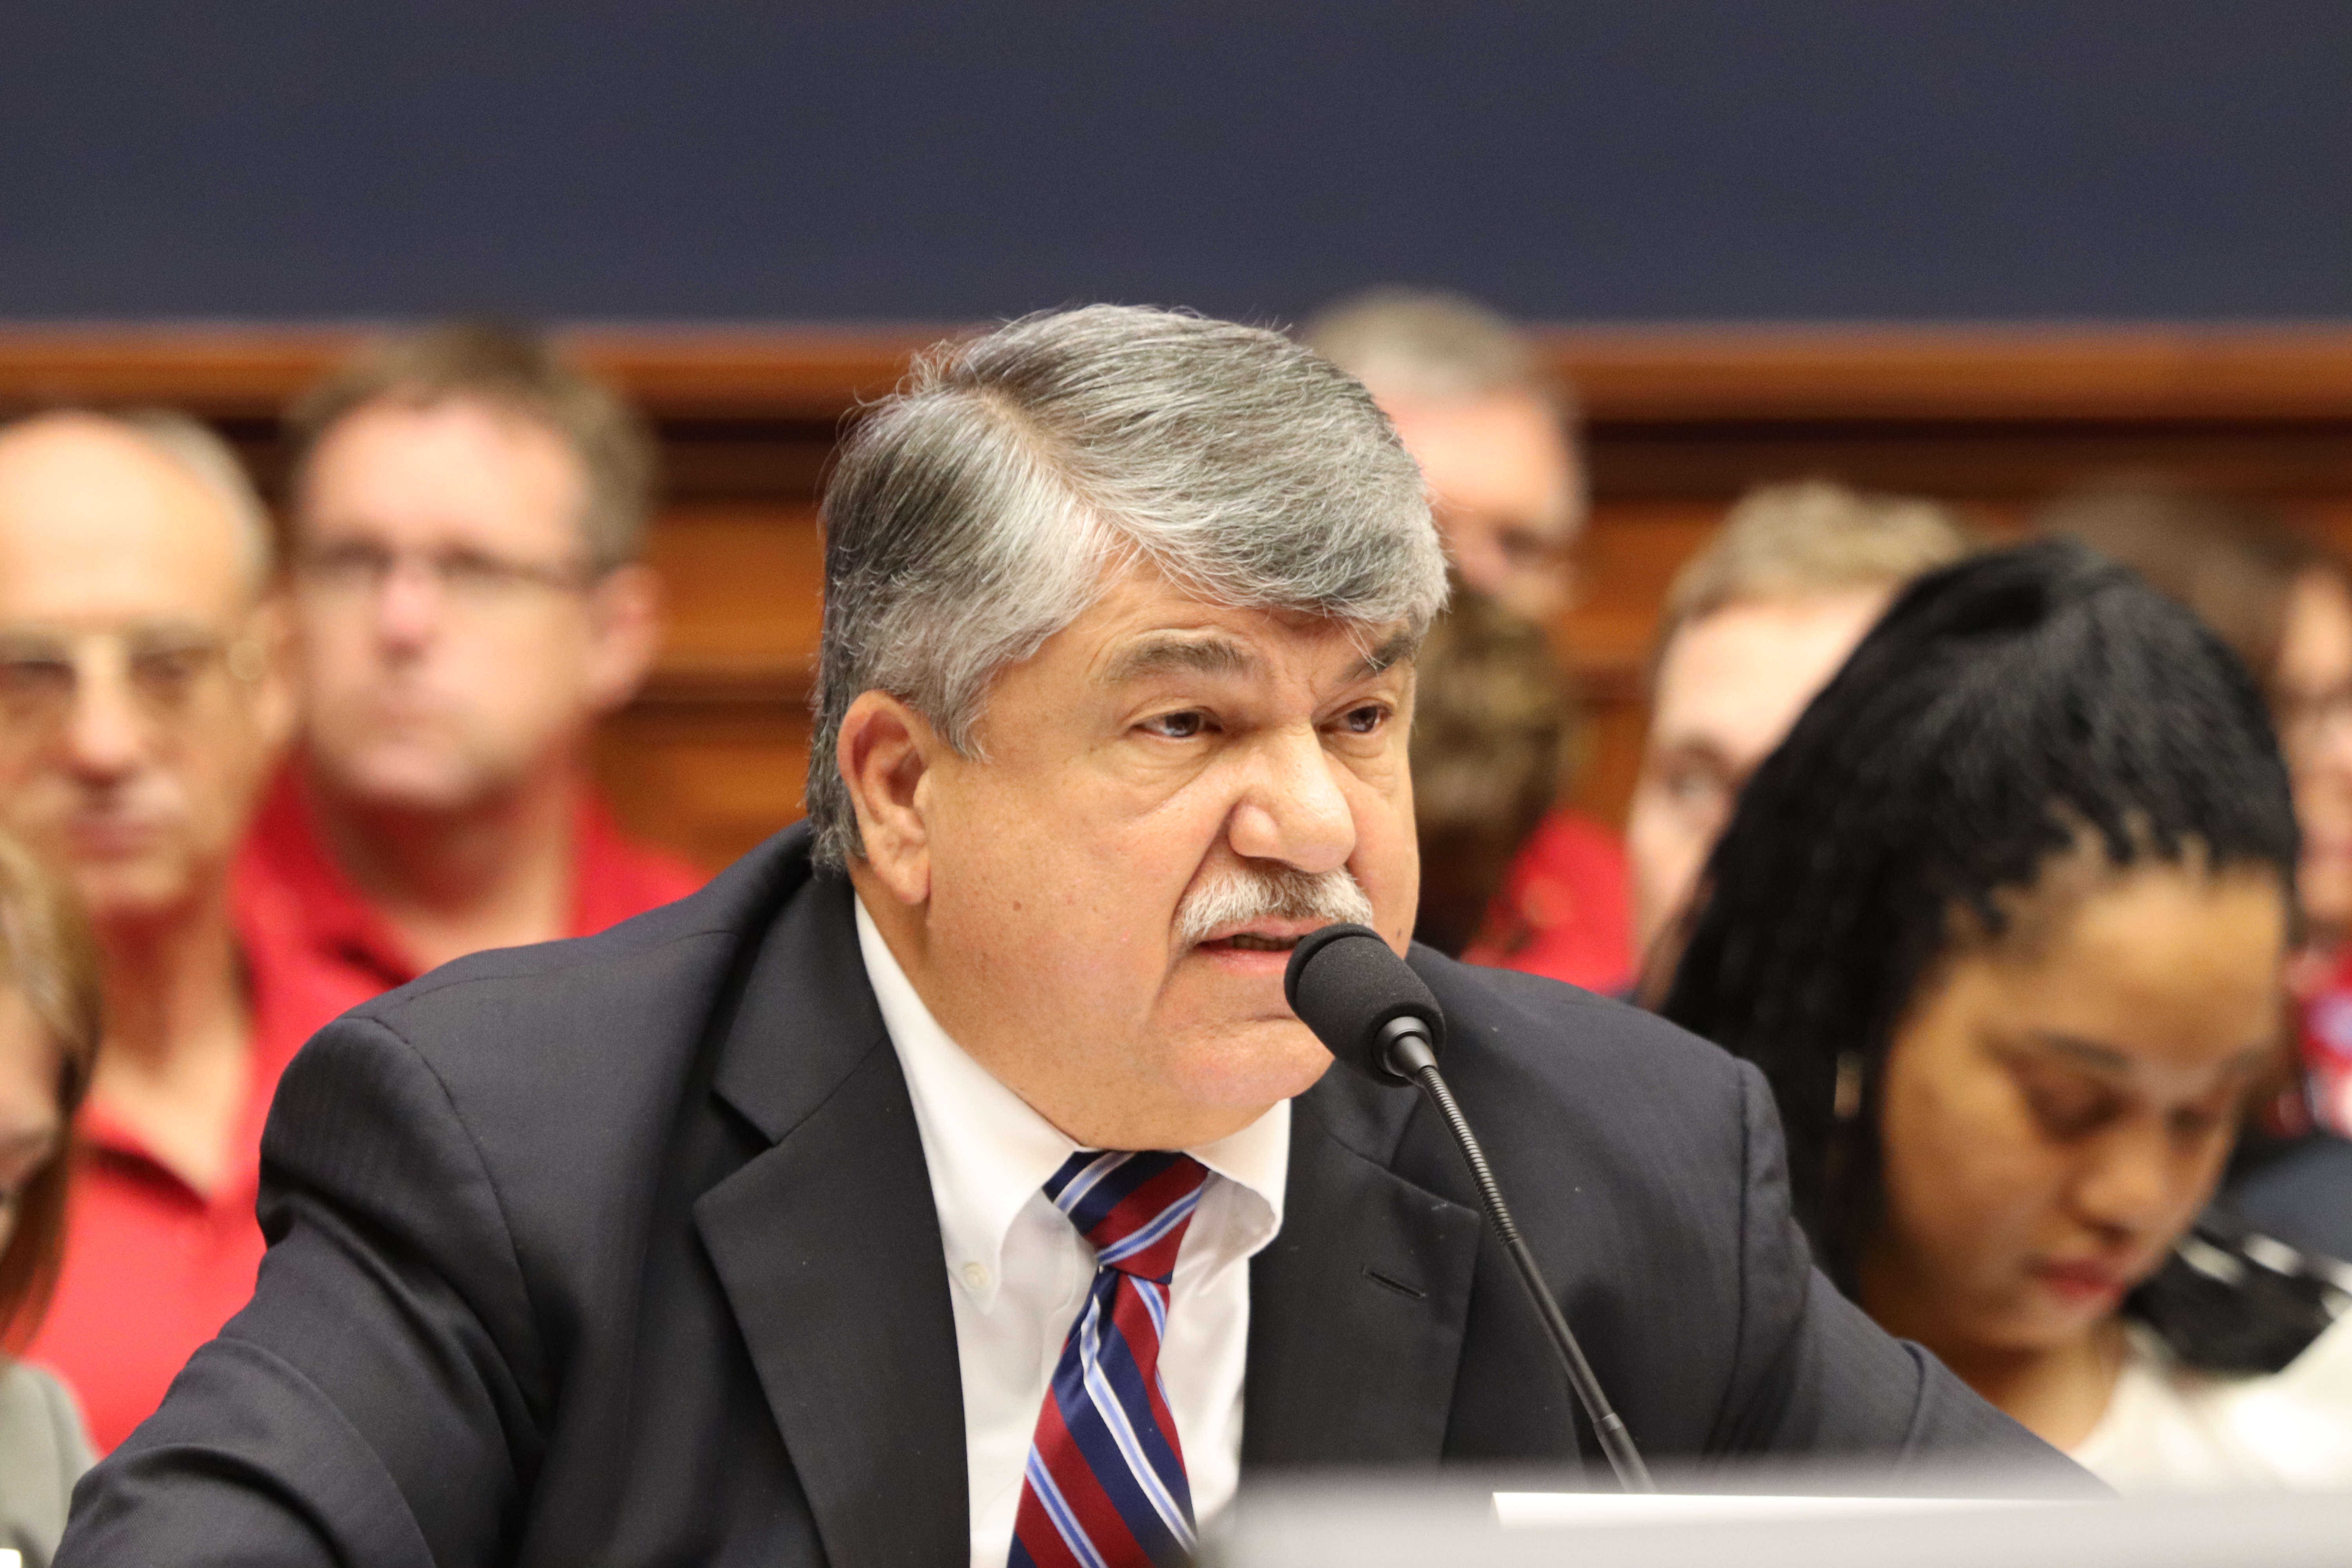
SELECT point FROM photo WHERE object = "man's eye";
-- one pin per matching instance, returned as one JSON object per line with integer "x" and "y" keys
{"x": 1365, "y": 720}
{"x": 470, "y": 569}
{"x": 34, "y": 673}
{"x": 1177, "y": 726}
{"x": 1695, "y": 788}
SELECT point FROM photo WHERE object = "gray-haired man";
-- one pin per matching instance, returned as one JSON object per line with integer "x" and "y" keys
{"x": 776, "y": 1227}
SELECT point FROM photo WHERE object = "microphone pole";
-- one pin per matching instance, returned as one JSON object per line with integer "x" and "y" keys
{"x": 1374, "y": 1014}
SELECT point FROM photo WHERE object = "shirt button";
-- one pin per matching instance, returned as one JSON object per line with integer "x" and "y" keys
{"x": 975, "y": 1275}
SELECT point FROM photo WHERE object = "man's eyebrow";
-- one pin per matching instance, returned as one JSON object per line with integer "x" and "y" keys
{"x": 1172, "y": 655}
{"x": 1399, "y": 649}
{"x": 1682, "y": 750}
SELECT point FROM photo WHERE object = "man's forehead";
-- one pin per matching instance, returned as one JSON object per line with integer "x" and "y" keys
{"x": 1738, "y": 675}
{"x": 92, "y": 519}
{"x": 1249, "y": 642}
{"x": 456, "y": 466}
{"x": 86, "y": 464}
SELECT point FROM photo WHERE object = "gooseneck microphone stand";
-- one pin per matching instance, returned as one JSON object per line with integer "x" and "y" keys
{"x": 1374, "y": 1014}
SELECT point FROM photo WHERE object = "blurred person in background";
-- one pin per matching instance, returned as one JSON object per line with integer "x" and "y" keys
{"x": 1494, "y": 434}
{"x": 49, "y": 1044}
{"x": 1753, "y": 626}
{"x": 1493, "y": 738}
{"x": 142, "y": 702}
{"x": 2285, "y": 608}
{"x": 2002, "y": 921}
{"x": 467, "y": 513}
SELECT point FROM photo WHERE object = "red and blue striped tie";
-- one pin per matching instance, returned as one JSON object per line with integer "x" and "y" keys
{"x": 1105, "y": 1484}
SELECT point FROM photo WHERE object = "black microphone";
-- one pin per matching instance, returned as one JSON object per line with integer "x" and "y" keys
{"x": 1367, "y": 1006}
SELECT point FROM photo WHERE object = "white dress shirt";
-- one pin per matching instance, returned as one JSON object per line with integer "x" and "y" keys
{"x": 1018, "y": 1270}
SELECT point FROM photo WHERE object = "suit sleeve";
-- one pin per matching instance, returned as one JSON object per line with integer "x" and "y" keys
{"x": 378, "y": 1403}
{"x": 1814, "y": 1375}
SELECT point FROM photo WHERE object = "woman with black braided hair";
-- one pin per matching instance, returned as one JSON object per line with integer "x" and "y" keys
{"x": 2002, "y": 922}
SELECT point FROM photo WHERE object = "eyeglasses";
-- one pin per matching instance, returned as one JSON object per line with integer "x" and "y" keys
{"x": 165, "y": 671}
{"x": 467, "y": 579}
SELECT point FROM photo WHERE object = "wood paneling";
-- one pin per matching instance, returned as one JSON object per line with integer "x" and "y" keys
{"x": 1679, "y": 422}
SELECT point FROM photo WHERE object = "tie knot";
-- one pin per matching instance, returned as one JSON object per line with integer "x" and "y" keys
{"x": 1132, "y": 1207}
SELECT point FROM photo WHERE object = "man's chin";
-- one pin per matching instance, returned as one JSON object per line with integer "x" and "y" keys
{"x": 1254, "y": 1063}
{"x": 406, "y": 779}
{"x": 131, "y": 894}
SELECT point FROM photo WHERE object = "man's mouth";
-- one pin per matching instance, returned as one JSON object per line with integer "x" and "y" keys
{"x": 1264, "y": 935}
{"x": 1255, "y": 941}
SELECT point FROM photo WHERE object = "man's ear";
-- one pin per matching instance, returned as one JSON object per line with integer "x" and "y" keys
{"x": 885, "y": 754}
{"x": 264, "y": 659}
{"x": 625, "y": 630}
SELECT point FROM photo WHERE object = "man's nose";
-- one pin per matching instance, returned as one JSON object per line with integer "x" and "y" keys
{"x": 106, "y": 731}
{"x": 1293, "y": 807}
{"x": 408, "y": 606}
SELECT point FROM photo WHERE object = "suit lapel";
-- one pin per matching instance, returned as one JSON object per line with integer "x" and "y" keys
{"x": 1357, "y": 1308}
{"x": 827, "y": 1244}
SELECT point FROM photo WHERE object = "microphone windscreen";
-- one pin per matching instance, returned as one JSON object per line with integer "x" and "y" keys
{"x": 1346, "y": 985}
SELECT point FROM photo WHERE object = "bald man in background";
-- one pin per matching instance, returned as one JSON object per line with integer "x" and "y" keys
{"x": 1493, "y": 432}
{"x": 142, "y": 699}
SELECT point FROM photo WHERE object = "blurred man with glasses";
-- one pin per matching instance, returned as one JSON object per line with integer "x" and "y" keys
{"x": 465, "y": 515}
{"x": 142, "y": 699}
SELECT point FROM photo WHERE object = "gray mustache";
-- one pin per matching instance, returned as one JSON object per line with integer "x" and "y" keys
{"x": 1254, "y": 891}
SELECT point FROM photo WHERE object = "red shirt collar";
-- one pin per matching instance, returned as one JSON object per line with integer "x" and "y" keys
{"x": 285, "y": 878}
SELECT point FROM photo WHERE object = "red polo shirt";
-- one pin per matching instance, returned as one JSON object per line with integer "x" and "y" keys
{"x": 331, "y": 929}
{"x": 153, "y": 1268}
{"x": 1563, "y": 910}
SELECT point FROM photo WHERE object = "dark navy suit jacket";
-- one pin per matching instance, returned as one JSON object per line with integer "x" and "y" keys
{"x": 622, "y": 1250}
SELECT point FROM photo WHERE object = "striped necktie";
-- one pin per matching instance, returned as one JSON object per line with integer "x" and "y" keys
{"x": 1105, "y": 1484}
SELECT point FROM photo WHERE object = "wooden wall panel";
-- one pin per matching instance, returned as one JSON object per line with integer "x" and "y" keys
{"x": 711, "y": 757}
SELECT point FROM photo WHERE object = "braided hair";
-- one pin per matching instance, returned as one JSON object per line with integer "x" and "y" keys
{"x": 2008, "y": 711}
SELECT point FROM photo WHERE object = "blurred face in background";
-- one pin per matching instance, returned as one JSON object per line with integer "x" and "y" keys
{"x": 1506, "y": 490}
{"x": 2312, "y": 697}
{"x": 139, "y": 700}
{"x": 455, "y": 638}
{"x": 2058, "y": 1105}
{"x": 1730, "y": 685}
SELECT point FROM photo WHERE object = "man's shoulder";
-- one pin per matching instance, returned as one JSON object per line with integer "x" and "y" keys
{"x": 1563, "y": 1031}
{"x": 1565, "y": 1084}
{"x": 562, "y": 1071}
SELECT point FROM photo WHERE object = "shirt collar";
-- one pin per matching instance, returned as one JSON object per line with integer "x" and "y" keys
{"x": 989, "y": 1153}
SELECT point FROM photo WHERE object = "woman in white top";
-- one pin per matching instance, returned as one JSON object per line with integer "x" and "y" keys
{"x": 2003, "y": 921}
{"x": 48, "y": 1040}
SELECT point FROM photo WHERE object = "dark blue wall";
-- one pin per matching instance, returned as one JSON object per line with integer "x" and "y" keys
{"x": 1597, "y": 159}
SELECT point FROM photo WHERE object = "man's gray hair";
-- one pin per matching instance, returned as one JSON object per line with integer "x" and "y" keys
{"x": 1424, "y": 346}
{"x": 203, "y": 457}
{"x": 993, "y": 498}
